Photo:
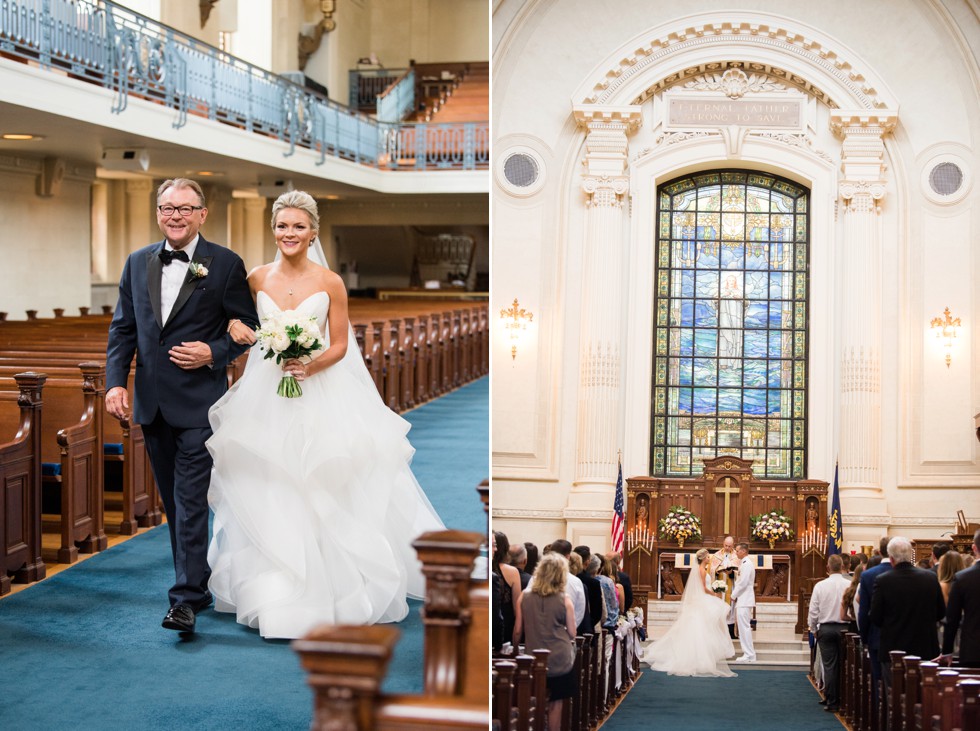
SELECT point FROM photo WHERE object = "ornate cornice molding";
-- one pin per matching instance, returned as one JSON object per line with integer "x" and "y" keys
{"x": 523, "y": 514}
{"x": 589, "y": 114}
{"x": 844, "y": 122}
{"x": 772, "y": 35}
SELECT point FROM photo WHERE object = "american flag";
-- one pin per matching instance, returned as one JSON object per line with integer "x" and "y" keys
{"x": 619, "y": 514}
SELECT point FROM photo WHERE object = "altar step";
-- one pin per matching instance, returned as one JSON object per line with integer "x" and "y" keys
{"x": 776, "y": 643}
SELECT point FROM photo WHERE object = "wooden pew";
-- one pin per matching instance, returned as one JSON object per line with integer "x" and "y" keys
{"x": 346, "y": 664}
{"x": 129, "y": 487}
{"x": 71, "y": 454}
{"x": 20, "y": 480}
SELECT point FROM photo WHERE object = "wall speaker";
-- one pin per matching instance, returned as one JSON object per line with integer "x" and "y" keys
{"x": 123, "y": 158}
{"x": 274, "y": 187}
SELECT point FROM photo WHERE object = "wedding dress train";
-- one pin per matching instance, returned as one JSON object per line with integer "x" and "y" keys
{"x": 697, "y": 643}
{"x": 315, "y": 505}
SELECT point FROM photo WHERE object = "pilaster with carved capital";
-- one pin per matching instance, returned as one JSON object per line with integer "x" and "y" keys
{"x": 606, "y": 185}
{"x": 861, "y": 188}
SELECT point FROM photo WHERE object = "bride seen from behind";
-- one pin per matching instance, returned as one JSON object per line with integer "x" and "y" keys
{"x": 315, "y": 503}
{"x": 697, "y": 643}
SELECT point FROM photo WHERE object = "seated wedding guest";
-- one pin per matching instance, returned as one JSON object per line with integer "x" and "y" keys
{"x": 825, "y": 622}
{"x": 532, "y": 557}
{"x": 585, "y": 552}
{"x": 963, "y": 614}
{"x": 853, "y": 562}
{"x": 925, "y": 563}
{"x": 547, "y": 619}
{"x": 517, "y": 557}
{"x": 949, "y": 565}
{"x": 511, "y": 581}
{"x": 849, "y": 602}
{"x": 624, "y": 580}
{"x": 906, "y": 603}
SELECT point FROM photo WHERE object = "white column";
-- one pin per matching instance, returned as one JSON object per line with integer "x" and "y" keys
{"x": 600, "y": 392}
{"x": 861, "y": 188}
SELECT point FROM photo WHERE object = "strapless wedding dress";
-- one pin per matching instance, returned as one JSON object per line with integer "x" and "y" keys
{"x": 697, "y": 643}
{"x": 315, "y": 504}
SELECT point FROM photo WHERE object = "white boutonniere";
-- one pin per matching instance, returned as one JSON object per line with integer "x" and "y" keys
{"x": 198, "y": 270}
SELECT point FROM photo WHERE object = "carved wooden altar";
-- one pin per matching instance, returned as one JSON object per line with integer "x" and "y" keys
{"x": 724, "y": 497}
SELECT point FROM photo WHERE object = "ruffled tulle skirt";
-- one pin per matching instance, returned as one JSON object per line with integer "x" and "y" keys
{"x": 315, "y": 504}
{"x": 697, "y": 643}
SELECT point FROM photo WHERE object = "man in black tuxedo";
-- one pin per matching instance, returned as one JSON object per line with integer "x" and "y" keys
{"x": 906, "y": 604}
{"x": 593, "y": 589}
{"x": 963, "y": 614}
{"x": 870, "y": 634}
{"x": 176, "y": 298}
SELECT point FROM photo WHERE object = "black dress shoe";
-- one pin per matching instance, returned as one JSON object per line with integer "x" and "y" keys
{"x": 822, "y": 701}
{"x": 180, "y": 617}
{"x": 832, "y": 709}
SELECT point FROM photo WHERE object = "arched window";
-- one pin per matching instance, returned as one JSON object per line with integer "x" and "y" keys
{"x": 731, "y": 324}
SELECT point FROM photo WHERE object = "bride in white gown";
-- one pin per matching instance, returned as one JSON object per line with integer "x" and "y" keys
{"x": 315, "y": 505}
{"x": 697, "y": 643}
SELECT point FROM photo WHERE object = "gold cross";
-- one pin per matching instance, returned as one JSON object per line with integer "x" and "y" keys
{"x": 727, "y": 491}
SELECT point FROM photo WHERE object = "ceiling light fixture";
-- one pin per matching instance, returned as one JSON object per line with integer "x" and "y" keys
{"x": 20, "y": 136}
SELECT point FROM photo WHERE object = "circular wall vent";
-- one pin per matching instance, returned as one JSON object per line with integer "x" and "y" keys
{"x": 946, "y": 178}
{"x": 521, "y": 170}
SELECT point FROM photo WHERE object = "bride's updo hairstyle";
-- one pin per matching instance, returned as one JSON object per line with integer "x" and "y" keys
{"x": 550, "y": 575}
{"x": 299, "y": 200}
{"x": 700, "y": 555}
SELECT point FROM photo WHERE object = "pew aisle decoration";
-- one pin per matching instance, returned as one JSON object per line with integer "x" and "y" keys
{"x": 772, "y": 526}
{"x": 287, "y": 335}
{"x": 681, "y": 525}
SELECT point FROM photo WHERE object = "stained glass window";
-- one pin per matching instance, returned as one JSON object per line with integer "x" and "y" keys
{"x": 731, "y": 324}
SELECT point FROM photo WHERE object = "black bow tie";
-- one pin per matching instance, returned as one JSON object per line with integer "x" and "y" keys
{"x": 167, "y": 256}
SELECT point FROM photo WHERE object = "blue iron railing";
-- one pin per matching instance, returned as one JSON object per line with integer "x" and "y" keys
{"x": 395, "y": 102}
{"x": 99, "y": 42}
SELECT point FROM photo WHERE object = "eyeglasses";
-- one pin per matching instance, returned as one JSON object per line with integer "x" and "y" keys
{"x": 184, "y": 210}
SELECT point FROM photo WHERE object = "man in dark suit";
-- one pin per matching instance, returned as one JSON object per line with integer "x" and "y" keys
{"x": 870, "y": 634}
{"x": 593, "y": 589}
{"x": 176, "y": 298}
{"x": 963, "y": 614}
{"x": 906, "y": 604}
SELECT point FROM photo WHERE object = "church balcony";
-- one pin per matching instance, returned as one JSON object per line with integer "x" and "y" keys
{"x": 145, "y": 78}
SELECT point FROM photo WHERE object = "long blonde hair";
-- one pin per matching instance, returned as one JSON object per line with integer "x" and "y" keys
{"x": 949, "y": 564}
{"x": 550, "y": 575}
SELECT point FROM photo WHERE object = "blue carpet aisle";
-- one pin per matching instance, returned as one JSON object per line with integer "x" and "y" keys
{"x": 84, "y": 649}
{"x": 757, "y": 700}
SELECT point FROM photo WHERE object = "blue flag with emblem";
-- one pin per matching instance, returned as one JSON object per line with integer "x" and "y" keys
{"x": 835, "y": 534}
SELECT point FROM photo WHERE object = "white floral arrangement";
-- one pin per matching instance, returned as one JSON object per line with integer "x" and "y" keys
{"x": 718, "y": 586}
{"x": 285, "y": 336}
{"x": 680, "y": 524}
{"x": 198, "y": 270}
{"x": 772, "y": 526}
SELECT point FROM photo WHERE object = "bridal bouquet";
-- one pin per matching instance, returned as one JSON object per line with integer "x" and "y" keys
{"x": 287, "y": 335}
{"x": 718, "y": 586}
{"x": 772, "y": 526}
{"x": 680, "y": 524}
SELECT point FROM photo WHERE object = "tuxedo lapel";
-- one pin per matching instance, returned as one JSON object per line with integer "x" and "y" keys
{"x": 190, "y": 281}
{"x": 154, "y": 273}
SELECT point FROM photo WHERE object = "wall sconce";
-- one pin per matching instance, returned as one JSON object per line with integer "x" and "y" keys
{"x": 516, "y": 319}
{"x": 947, "y": 329}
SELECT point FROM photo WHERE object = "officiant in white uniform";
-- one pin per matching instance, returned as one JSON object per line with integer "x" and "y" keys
{"x": 743, "y": 597}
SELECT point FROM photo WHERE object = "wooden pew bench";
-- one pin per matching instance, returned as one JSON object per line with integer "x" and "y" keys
{"x": 346, "y": 664}
{"x": 71, "y": 456}
{"x": 20, "y": 480}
